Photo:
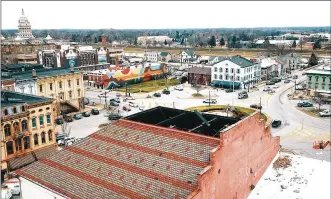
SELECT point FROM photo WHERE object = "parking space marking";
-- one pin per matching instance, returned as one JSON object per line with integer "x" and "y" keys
{"x": 305, "y": 134}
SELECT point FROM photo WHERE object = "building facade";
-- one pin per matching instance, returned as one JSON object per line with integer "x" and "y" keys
{"x": 319, "y": 80}
{"x": 27, "y": 124}
{"x": 24, "y": 27}
{"x": 235, "y": 72}
{"x": 199, "y": 75}
{"x": 291, "y": 61}
{"x": 114, "y": 54}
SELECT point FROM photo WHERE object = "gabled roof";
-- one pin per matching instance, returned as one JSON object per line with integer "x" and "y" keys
{"x": 240, "y": 61}
{"x": 164, "y": 54}
{"x": 189, "y": 52}
{"x": 200, "y": 70}
{"x": 9, "y": 98}
{"x": 126, "y": 159}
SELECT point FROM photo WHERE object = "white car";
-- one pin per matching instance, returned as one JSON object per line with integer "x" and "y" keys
{"x": 141, "y": 108}
{"x": 130, "y": 98}
{"x": 325, "y": 113}
{"x": 5, "y": 192}
{"x": 266, "y": 88}
{"x": 179, "y": 88}
{"x": 275, "y": 86}
{"x": 13, "y": 185}
{"x": 132, "y": 104}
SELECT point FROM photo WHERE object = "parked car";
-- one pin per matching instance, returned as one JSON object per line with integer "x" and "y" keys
{"x": 325, "y": 113}
{"x": 276, "y": 80}
{"x": 212, "y": 101}
{"x": 166, "y": 91}
{"x": 78, "y": 116}
{"x": 59, "y": 121}
{"x": 275, "y": 86}
{"x": 229, "y": 90}
{"x": 295, "y": 76}
{"x": 95, "y": 111}
{"x": 270, "y": 83}
{"x": 267, "y": 88}
{"x": 60, "y": 137}
{"x": 67, "y": 141}
{"x": 86, "y": 114}
{"x": 118, "y": 94}
{"x": 179, "y": 88}
{"x": 305, "y": 104}
{"x": 67, "y": 118}
{"x": 304, "y": 73}
{"x": 271, "y": 91}
{"x": 113, "y": 103}
{"x": 276, "y": 123}
{"x": 117, "y": 100}
{"x": 157, "y": 94}
{"x": 142, "y": 107}
{"x": 114, "y": 116}
{"x": 286, "y": 81}
{"x": 256, "y": 106}
{"x": 242, "y": 95}
{"x": 13, "y": 185}
{"x": 129, "y": 98}
{"x": 132, "y": 104}
{"x": 126, "y": 108}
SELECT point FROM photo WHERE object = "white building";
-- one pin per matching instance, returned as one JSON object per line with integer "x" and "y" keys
{"x": 271, "y": 67}
{"x": 237, "y": 71}
{"x": 291, "y": 61}
{"x": 24, "y": 27}
{"x": 150, "y": 39}
{"x": 152, "y": 56}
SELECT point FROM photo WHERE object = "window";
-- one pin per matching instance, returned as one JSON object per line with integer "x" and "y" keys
{"x": 78, "y": 92}
{"x": 26, "y": 141}
{"x": 69, "y": 83}
{"x": 70, "y": 94}
{"x": 5, "y": 112}
{"x": 23, "y": 108}
{"x": 316, "y": 78}
{"x": 51, "y": 86}
{"x": 221, "y": 70}
{"x": 226, "y": 70}
{"x": 14, "y": 110}
{"x": 9, "y": 146}
{"x": 35, "y": 139}
{"x": 43, "y": 140}
{"x": 221, "y": 77}
{"x": 24, "y": 125}
{"x": 323, "y": 86}
{"x": 232, "y": 70}
{"x": 215, "y": 69}
{"x": 238, "y": 71}
{"x": 309, "y": 78}
{"x": 323, "y": 78}
{"x": 48, "y": 119}
{"x": 238, "y": 78}
{"x": 41, "y": 120}
{"x": 50, "y": 135}
{"x": 18, "y": 144}
{"x": 34, "y": 123}
{"x": 7, "y": 130}
{"x": 77, "y": 82}
{"x": 30, "y": 88}
{"x": 16, "y": 127}
{"x": 226, "y": 77}
{"x": 215, "y": 76}
{"x": 41, "y": 88}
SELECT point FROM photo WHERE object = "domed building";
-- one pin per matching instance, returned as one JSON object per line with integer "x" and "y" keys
{"x": 24, "y": 27}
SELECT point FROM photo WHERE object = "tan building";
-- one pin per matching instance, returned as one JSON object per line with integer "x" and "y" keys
{"x": 28, "y": 130}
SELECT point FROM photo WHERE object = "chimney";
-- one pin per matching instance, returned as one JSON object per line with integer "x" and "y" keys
{"x": 34, "y": 73}
{"x": 72, "y": 68}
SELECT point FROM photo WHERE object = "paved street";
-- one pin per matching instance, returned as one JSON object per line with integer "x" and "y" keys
{"x": 298, "y": 130}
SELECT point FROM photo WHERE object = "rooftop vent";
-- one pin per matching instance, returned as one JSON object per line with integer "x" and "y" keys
{"x": 72, "y": 69}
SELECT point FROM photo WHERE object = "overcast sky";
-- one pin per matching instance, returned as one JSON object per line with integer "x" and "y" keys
{"x": 172, "y": 14}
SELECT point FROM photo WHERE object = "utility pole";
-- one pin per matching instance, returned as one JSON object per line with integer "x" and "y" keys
{"x": 105, "y": 99}
{"x": 260, "y": 106}
{"x": 209, "y": 98}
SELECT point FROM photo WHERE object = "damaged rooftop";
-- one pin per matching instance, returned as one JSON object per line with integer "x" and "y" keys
{"x": 194, "y": 122}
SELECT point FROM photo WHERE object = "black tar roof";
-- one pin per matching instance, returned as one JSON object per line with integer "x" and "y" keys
{"x": 183, "y": 120}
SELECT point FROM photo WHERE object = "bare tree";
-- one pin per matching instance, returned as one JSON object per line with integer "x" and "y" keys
{"x": 281, "y": 49}
{"x": 66, "y": 130}
{"x": 198, "y": 88}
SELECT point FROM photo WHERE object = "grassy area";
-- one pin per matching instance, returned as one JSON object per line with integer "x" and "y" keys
{"x": 150, "y": 86}
{"x": 244, "y": 111}
{"x": 311, "y": 111}
{"x": 197, "y": 95}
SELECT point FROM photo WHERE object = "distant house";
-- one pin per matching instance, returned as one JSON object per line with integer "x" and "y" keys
{"x": 291, "y": 61}
{"x": 289, "y": 43}
{"x": 165, "y": 56}
{"x": 199, "y": 75}
{"x": 188, "y": 56}
{"x": 270, "y": 68}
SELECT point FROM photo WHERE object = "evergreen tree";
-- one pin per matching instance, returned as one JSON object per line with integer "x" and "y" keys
{"x": 234, "y": 41}
{"x": 212, "y": 41}
{"x": 135, "y": 42}
{"x": 95, "y": 39}
{"x": 317, "y": 44}
{"x": 182, "y": 42}
{"x": 165, "y": 42}
{"x": 266, "y": 43}
{"x": 294, "y": 45}
{"x": 222, "y": 42}
{"x": 313, "y": 60}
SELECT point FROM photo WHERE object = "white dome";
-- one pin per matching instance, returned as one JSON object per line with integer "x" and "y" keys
{"x": 48, "y": 37}
{"x": 2, "y": 38}
{"x": 18, "y": 38}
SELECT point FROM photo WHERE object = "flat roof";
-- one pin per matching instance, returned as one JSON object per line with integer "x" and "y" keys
{"x": 188, "y": 121}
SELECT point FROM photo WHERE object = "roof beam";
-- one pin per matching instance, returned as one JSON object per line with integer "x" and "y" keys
{"x": 171, "y": 118}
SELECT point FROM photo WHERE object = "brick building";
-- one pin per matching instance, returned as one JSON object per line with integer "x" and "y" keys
{"x": 159, "y": 153}
{"x": 199, "y": 75}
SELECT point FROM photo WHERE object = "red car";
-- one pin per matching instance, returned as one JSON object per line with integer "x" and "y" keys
{"x": 126, "y": 108}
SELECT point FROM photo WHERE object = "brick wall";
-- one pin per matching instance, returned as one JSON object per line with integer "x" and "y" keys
{"x": 246, "y": 150}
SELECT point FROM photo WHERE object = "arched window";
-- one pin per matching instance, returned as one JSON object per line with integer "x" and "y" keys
{"x": 14, "y": 110}
{"x": 35, "y": 139}
{"x": 16, "y": 127}
{"x": 23, "y": 108}
{"x": 26, "y": 142}
{"x": 50, "y": 135}
{"x": 7, "y": 130}
{"x": 5, "y": 112}
{"x": 9, "y": 147}
{"x": 24, "y": 125}
{"x": 43, "y": 140}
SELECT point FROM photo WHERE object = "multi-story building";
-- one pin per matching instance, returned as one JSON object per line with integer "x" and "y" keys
{"x": 27, "y": 127}
{"x": 114, "y": 54}
{"x": 62, "y": 84}
{"x": 152, "y": 56}
{"x": 270, "y": 68}
{"x": 235, "y": 71}
{"x": 291, "y": 61}
{"x": 319, "y": 80}
{"x": 87, "y": 56}
{"x": 199, "y": 75}
{"x": 24, "y": 27}
{"x": 49, "y": 58}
